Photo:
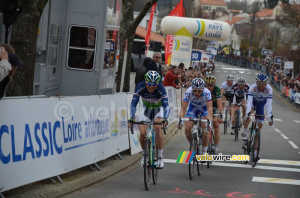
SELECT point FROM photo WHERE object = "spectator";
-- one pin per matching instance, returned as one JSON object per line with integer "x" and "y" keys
{"x": 163, "y": 72}
{"x": 155, "y": 63}
{"x": 5, "y": 66}
{"x": 170, "y": 77}
{"x": 139, "y": 77}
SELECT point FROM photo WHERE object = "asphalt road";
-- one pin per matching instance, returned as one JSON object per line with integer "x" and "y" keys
{"x": 276, "y": 175}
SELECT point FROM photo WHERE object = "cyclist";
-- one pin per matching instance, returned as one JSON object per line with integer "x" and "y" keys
{"x": 238, "y": 95}
{"x": 198, "y": 99}
{"x": 210, "y": 84}
{"x": 226, "y": 91}
{"x": 155, "y": 107}
{"x": 260, "y": 95}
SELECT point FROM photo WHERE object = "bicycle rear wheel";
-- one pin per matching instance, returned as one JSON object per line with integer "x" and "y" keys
{"x": 147, "y": 164}
{"x": 193, "y": 164}
{"x": 225, "y": 122}
{"x": 155, "y": 170}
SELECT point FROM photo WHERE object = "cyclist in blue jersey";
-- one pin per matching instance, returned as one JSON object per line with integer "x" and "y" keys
{"x": 155, "y": 108}
{"x": 260, "y": 96}
{"x": 199, "y": 102}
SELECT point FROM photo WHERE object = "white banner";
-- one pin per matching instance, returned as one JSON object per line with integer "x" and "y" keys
{"x": 182, "y": 48}
{"x": 297, "y": 98}
{"x": 289, "y": 65}
{"x": 44, "y": 137}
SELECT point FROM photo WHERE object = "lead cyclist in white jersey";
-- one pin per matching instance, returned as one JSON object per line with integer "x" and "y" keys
{"x": 199, "y": 102}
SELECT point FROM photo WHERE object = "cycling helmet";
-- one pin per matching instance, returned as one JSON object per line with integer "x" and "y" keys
{"x": 262, "y": 78}
{"x": 210, "y": 79}
{"x": 198, "y": 83}
{"x": 241, "y": 80}
{"x": 230, "y": 77}
{"x": 152, "y": 76}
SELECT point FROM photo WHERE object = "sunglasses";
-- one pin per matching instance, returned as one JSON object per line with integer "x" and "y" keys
{"x": 261, "y": 83}
{"x": 151, "y": 84}
{"x": 198, "y": 91}
{"x": 209, "y": 85}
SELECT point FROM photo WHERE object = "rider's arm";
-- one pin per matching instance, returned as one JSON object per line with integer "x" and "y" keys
{"x": 134, "y": 102}
{"x": 166, "y": 107}
{"x": 269, "y": 102}
{"x": 249, "y": 104}
{"x": 219, "y": 103}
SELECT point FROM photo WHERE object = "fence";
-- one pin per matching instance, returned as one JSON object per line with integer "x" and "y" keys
{"x": 246, "y": 63}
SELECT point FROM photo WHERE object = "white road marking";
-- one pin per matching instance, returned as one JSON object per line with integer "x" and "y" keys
{"x": 297, "y": 121}
{"x": 243, "y": 166}
{"x": 293, "y": 145}
{"x": 276, "y": 180}
{"x": 281, "y": 162}
{"x": 284, "y": 137}
{"x": 225, "y": 71}
{"x": 277, "y": 119}
{"x": 241, "y": 72}
{"x": 235, "y": 69}
{"x": 249, "y": 73}
{"x": 277, "y": 130}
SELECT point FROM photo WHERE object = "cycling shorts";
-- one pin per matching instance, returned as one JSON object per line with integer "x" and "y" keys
{"x": 195, "y": 111}
{"x": 259, "y": 106}
{"x": 148, "y": 115}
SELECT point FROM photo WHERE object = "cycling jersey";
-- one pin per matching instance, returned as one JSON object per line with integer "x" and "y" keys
{"x": 227, "y": 89}
{"x": 215, "y": 94}
{"x": 259, "y": 100}
{"x": 237, "y": 95}
{"x": 197, "y": 105}
{"x": 151, "y": 101}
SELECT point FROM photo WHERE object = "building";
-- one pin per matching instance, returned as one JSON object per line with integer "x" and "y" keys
{"x": 210, "y": 5}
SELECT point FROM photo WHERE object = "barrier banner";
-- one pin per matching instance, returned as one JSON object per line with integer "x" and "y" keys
{"x": 286, "y": 92}
{"x": 297, "y": 98}
{"x": 45, "y": 137}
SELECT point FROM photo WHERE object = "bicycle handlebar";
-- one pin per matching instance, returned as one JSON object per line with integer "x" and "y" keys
{"x": 148, "y": 123}
{"x": 194, "y": 119}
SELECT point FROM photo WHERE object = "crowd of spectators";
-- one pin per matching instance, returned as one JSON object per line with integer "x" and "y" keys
{"x": 173, "y": 75}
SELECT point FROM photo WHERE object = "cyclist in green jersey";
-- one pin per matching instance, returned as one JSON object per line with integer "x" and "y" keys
{"x": 210, "y": 84}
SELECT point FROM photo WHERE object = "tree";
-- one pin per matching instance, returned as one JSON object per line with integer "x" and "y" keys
{"x": 256, "y": 5}
{"x": 272, "y": 3}
{"x": 23, "y": 38}
{"x": 127, "y": 31}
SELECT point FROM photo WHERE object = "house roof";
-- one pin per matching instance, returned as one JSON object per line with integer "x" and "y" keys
{"x": 236, "y": 11}
{"x": 141, "y": 32}
{"x": 234, "y": 20}
{"x": 263, "y": 13}
{"x": 213, "y": 2}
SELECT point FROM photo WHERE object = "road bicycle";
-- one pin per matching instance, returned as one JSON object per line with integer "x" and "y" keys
{"x": 238, "y": 122}
{"x": 211, "y": 144}
{"x": 150, "y": 152}
{"x": 195, "y": 145}
{"x": 254, "y": 136}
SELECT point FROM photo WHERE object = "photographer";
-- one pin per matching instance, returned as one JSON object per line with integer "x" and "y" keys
{"x": 5, "y": 66}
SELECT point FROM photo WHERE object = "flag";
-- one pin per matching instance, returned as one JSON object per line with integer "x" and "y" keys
{"x": 147, "y": 38}
{"x": 180, "y": 12}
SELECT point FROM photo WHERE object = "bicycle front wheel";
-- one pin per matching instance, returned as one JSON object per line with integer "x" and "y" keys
{"x": 255, "y": 157}
{"x": 147, "y": 164}
{"x": 193, "y": 164}
{"x": 155, "y": 170}
{"x": 237, "y": 126}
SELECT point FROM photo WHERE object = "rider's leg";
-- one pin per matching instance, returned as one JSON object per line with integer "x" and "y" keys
{"x": 188, "y": 130}
{"x": 244, "y": 108}
{"x": 159, "y": 135}
{"x": 142, "y": 129}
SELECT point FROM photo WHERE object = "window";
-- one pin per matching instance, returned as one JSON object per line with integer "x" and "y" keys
{"x": 82, "y": 46}
{"x": 206, "y": 7}
{"x": 54, "y": 41}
